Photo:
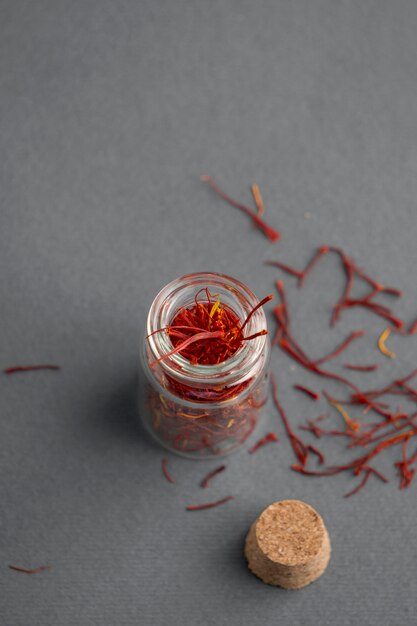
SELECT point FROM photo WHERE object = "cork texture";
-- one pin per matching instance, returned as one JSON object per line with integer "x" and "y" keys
{"x": 288, "y": 545}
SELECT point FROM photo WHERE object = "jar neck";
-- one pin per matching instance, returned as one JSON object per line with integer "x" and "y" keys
{"x": 241, "y": 366}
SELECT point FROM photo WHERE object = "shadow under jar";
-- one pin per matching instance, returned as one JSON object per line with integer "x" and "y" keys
{"x": 202, "y": 411}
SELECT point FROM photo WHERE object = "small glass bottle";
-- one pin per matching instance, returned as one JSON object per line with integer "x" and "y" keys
{"x": 201, "y": 411}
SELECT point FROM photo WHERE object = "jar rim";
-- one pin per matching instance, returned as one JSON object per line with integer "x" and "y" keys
{"x": 181, "y": 292}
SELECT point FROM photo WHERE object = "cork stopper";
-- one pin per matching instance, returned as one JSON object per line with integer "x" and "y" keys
{"x": 288, "y": 545}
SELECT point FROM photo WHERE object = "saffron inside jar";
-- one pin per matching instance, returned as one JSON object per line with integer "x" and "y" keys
{"x": 205, "y": 365}
{"x": 205, "y": 316}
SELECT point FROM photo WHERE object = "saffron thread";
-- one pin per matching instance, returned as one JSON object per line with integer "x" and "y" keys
{"x": 208, "y": 505}
{"x": 30, "y": 368}
{"x": 309, "y": 392}
{"x": 166, "y": 471}
{"x": 206, "y": 480}
{"x": 35, "y": 570}
{"x": 270, "y": 233}
{"x": 269, "y": 437}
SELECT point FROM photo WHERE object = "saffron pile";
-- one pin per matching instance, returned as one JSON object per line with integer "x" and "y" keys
{"x": 209, "y": 333}
{"x": 394, "y": 426}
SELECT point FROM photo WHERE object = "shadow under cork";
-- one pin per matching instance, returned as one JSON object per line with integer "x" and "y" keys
{"x": 233, "y": 564}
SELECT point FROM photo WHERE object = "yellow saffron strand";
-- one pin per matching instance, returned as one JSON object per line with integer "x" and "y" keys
{"x": 381, "y": 344}
{"x": 192, "y": 417}
{"x": 215, "y": 307}
{"x": 353, "y": 424}
{"x": 258, "y": 199}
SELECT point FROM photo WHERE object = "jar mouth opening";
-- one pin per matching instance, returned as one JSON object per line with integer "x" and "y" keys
{"x": 181, "y": 293}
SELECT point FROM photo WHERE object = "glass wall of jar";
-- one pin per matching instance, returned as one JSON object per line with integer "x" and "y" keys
{"x": 197, "y": 410}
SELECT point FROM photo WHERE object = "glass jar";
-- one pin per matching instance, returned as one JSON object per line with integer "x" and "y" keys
{"x": 202, "y": 411}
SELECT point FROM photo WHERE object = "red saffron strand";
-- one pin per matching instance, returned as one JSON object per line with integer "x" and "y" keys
{"x": 331, "y": 471}
{"x": 289, "y": 345}
{"x": 413, "y": 328}
{"x": 309, "y": 392}
{"x": 310, "y": 365}
{"x": 375, "y": 393}
{"x": 285, "y": 268}
{"x": 392, "y": 291}
{"x": 378, "y": 309}
{"x": 346, "y": 292}
{"x": 413, "y": 458}
{"x": 360, "y": 486}
{"x": 361, "y": 368}
{"x": 282, "y": 315}
{"x": 261, "y": 333}
{"x": 270, "y": 233}
{"x": 313, "y": 427}
{"x": 381, "y": 477}
{"x": 208, "y": 505}
{"x": 166, "y": 471}
{"x": 403, "y": 467}
{"x": 188, "y": 342}
{"x": 357, "y": 464}
{"x": 320, "y": 252}
{"x": 368, "y": 471}
{"x": 352, "y": 270}
{"x": 318, "y": 453}
{"x": 334, "y": 353}
{"x": 299, "y": 448}
{"x": 210, "y": 475}
{"x": 35, "y": 570}
{"x": 406, "y": 473}
{"x": 30, "y": 368}
{"x": 263, "y": 441}
{"x": 258, "y": 306}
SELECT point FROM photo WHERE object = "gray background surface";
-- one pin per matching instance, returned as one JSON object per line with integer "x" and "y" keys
{"x": 109, "y": 113}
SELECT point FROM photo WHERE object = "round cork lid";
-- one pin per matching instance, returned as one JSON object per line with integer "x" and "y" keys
{"x": 290, "y": 532}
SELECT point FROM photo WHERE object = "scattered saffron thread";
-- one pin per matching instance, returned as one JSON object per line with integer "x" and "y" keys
{"x": 270, "y": 233}
{"x": 166, "y": 471}
{"x": 270, "y": 437}
{"x": 381, "y": 344}
{"x": 208, "y": 505}
{"x": 361, "y": 368}
{"x": 309, "y": 392}
{"x": 35, "y": 570}
{"x": 394, "y": 426}
{"x": 299, "y": 448}
{"x": 353, "y": 424}
{"x": 334, "y": 353}
{"x": 368, "y": 471}
{"x": 206, "y": 480}
{"x": 30, "y": 368}
{"x": 352, "y": 271}
{"x": 256, "y": 192}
